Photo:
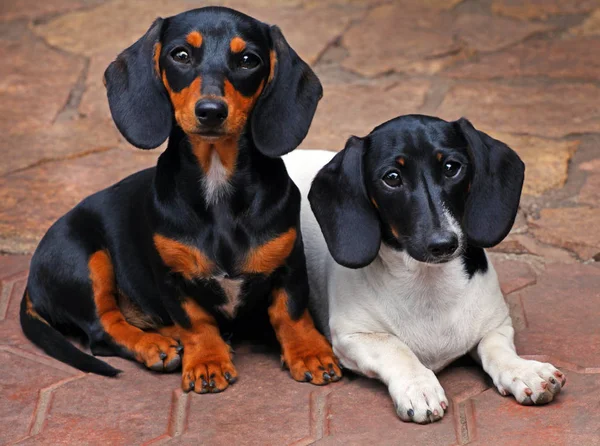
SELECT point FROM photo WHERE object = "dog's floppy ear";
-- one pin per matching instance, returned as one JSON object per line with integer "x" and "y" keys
{"x": 285, "y": 109}
{"x": 495, "y": 190}
{"x": 339, "y": 200}
{"x": 137, "y": 98}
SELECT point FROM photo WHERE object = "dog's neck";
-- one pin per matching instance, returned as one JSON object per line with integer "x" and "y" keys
{"x": 217, "y": 160}
{"x": 394, "y": 275}
{"x": 205, "y": 173}
{"x": 397, "y": 266}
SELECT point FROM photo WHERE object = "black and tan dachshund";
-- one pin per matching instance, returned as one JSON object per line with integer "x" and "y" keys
{"x": 171, "y": 257}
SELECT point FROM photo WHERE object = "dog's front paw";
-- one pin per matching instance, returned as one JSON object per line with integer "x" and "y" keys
{"x": 157, "y": 352}
{"x": 314, "y": 363}
{"x": 419, "y": 398}
{"x": 206, "y": 369}
{"x": 530, "y": 382}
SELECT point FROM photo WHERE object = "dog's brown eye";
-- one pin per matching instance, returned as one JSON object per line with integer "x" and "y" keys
{"x": 180, "y": 55}
{"x": 392, "y": 178}
{"x": 248, "y": 61}
{"x": 451, "y": 169}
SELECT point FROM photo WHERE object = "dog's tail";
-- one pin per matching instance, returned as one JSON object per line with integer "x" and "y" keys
{"x": 39, "y": 331}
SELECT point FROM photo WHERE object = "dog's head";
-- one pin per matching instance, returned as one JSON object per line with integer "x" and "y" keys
{"x": 420, "y": 184}
{"x": 215, "y": 73}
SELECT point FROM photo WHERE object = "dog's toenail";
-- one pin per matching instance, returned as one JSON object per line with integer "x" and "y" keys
{"x": 192, "y": 385}
{"x": 212, "y": 383}
{"x": 444, "y": 406}
{"x": 162, "y": 355}
{"x": 308, "y": 376}
{"x": 326, "y": 376}
{"x": 428, "y": 412}
{"x": 544, "y": 385}
{"x": 528, "y": 392}
{"x": 227, "y": 376}
{"x": 332, "y": 372}
{"x": 410, "y": 413}
{"x": 204, "y": 383}
{"x": 552, "y": 380}
{"x": 179, "y": 348}
{"x": 435, "y": 412}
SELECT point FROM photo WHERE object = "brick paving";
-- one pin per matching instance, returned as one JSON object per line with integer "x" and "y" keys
{"x": 525, "y": 71}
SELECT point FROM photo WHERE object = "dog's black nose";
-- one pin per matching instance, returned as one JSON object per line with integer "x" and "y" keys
{"x": 211, "y": 113}
{"x": 442, "y": 244}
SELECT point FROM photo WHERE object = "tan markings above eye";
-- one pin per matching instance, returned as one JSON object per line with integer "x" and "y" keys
{"x": 439, "y": 156}
{"x": 401, "y": 161}
{"x": 237, "y": 45}
{"x": 195, "y": 39}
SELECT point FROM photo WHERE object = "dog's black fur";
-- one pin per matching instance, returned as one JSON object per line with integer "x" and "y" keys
{"x": 122, "y": 220}
{"x": 430, "y": 163}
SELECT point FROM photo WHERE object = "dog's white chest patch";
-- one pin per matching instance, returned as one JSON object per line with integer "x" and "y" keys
{"x": 232, "y": 289}
{"x": 216, "y": 180}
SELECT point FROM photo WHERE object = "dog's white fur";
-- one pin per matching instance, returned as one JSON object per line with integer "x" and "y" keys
{"x": 400, "y": 320}
{"x": 216, "y": 181}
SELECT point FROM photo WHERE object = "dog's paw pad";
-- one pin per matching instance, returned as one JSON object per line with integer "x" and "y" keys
{"x": 158, "y": 352}
{"x": 316, "y": 367}
{"x": 420, "y": 398}
{"x": 531, "y": 382}
{"x": 208, "y": 377}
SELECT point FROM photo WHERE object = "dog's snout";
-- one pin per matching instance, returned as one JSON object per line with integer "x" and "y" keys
{"x": 211, "y": 113}
{"x": 442, "y": 244}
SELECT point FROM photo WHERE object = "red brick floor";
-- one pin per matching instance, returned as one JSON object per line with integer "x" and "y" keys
{"x": 526, "y": 71}
{"x": 47, "y": 402}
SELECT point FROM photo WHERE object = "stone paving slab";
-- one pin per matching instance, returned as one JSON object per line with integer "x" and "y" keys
{"x": 541, "y": 9}
{"x": 374, "y": 104}
{"x": 574, "y": 419}
{"x": 561, "y": 59}
{"x": 35, "y": 198}
{"x": 540, "y": 110}
{"x": 562, "y": 313}
{"x": 32, "y": 93}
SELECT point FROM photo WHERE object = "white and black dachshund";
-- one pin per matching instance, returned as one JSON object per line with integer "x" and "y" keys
{"x": 399, "y": 278}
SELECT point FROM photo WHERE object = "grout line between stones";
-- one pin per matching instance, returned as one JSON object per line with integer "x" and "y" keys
{"x": 564, "y": 364}
{"x": 71, "y": 106}
{"x": 46, "y": 18}
{"x": 61, "y": 158}
{"x": 164, "y": 438}
{"x": 44, "y": 402}
{"x": 337, "y": 40}
{"x": 44, "y": 360}
{"x": 317, "y": 416}
{"x": 180, "y": 405}
{"x": 16, "y": 276}
{"x": 464, "y": 422}
{"x": 8, "y": 288}
{"x": 523, "y": 287}
{"x": 435, "y": 95}
{"x": 5, "y": 293}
